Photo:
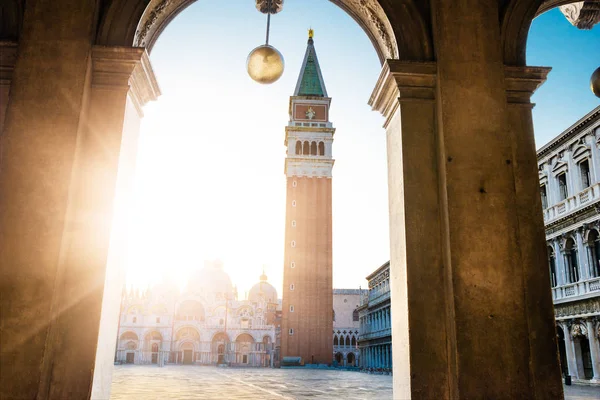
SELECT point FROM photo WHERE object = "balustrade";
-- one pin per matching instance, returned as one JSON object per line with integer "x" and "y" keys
{"x": 573, "y": 203}
{"x": 576, "y": 289}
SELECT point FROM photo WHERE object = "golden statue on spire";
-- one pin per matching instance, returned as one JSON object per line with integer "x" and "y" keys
{"x": 311, "y": 33}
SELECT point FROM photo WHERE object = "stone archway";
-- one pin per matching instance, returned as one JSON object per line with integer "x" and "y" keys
{"x": 460, "y": 174}
{"x": 139, "y": 23}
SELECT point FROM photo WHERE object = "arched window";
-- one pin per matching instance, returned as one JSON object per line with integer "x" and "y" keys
{"x": 321, "y": 148}
{"x": 594, "y": 251}
{"x": 355, "y": 315}
{"x": 298, "y": 147}
{"x": 552, "y": 264}
{"x": 571, "y": 258}
{"x": 313, "y": 148}
{"x": 335, "y": 340}
{"x": 155, "y": 347}
{"x": 306, "y": 148}
{"x": 347, "y": 341}
{"x": 353, "y": 343}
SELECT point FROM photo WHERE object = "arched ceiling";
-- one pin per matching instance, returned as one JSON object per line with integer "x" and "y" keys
{"x": 140, "y": 23}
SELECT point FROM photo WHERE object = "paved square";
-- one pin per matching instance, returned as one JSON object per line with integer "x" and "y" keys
{"x": 133, "y": 382}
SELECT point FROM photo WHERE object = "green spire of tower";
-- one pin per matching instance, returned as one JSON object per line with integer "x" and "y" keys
{"x": 310, "y": 81}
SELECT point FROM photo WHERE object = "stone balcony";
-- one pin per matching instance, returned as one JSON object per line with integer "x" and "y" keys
{"x": 572, "y": 204}
{"x": 576, "y": 291}
{"x": 375, "y": 298}
{"x": 369, "y": 335}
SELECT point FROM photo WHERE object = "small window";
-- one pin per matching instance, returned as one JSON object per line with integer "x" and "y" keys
{"x": 134, "y": 320}
{"x": 562, "y": 186}
{"x": 584, "y": 169}
{"x": 293, "y": 243}
{"x": 294, "y": 183}
{"x": 158, "y": 320}
{"x": 294, "y": 223}
{"x": 291, "y": 331}
{"x": 355, "y": 315}
{"x": 292, "y": 287}
{"x": 293, "y": 203}
{"x": 291, "y": 308}
{"x": 544, "y": 195}
{"x": 292, "y": 265}
{"x": 221, "y": 322}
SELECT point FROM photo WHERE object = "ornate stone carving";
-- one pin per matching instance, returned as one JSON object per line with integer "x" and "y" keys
{"x": 154, "y": 16}
{"x": 579, "y": 330}
{"x": 583, "y": 15}
{"x": 589, "y": 306}
{"x": 368, "y": 8}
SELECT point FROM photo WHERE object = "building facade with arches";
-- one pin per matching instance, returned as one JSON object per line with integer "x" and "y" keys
{"x": 375, "y": 321}
{"x": 346, "y": 327}
{"x": 205, "y": 325}
{"x": 569, "y": 174}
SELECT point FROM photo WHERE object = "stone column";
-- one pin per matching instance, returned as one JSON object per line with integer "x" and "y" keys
{"x": 49, "y": 90}
{"x": 8, "y": 57}
{"x": 462, "y": 178}
{"x": 581, "y": 255}
{"x": 570, "y": 351}
{"x": 520, "y": 83}
{"x": 594, "y": 348}
{"x": 91, "y": 141}
{"x": 560, "y": 264}
{"x": 120, "y": 77}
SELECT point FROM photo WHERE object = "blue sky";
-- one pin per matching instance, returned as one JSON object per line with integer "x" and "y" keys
{"x": 210, "y": 180}
{"x": 573, "y": 55}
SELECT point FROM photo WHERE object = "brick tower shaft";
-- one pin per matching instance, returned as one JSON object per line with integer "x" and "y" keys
{"x": 307, "y": 310}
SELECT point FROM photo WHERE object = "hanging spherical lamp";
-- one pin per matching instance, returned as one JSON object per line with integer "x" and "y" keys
{"x": 595, "y": 82}
{"x": 265, "y": 63}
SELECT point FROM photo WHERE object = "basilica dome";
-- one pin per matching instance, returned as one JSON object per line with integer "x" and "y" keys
{"x": 212, "y": 279}
{"x": 263, "y": 291}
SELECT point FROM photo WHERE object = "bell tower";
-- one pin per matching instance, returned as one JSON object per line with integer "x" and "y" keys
{"x": 307, "y": 309}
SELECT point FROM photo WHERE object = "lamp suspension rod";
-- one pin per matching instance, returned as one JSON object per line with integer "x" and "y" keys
{"x": 268, "y": 20}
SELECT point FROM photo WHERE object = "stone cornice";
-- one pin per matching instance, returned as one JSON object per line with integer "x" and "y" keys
{"x": 8, "y": 58}
{"x": 573, "y": 218}
{"x": 522, "y": 82}
{"x": 586, "y": 121}
{"x": 125, "y": 68}
{"x": 400, "y": 82}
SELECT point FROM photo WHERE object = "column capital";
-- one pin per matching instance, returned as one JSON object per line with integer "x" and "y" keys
{"x": 522, "y": 82}
{"x": 126, "y": 68}
{"x": 403, "y": 81}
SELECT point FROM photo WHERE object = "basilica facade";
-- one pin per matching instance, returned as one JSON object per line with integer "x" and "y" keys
{"x": 569, "y": 174}
{"x": 204, "y": 325}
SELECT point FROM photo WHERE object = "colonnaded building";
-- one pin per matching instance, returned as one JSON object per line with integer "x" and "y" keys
{"x": 569, "y": 172}
{"x": 375, "y": 320}
{"x": 206, "y": 324}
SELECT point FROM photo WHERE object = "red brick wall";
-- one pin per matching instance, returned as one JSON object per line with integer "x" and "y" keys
{"x": 312, "y": 297}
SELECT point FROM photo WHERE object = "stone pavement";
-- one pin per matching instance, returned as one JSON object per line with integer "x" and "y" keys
{"x": 137, "y": 382}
